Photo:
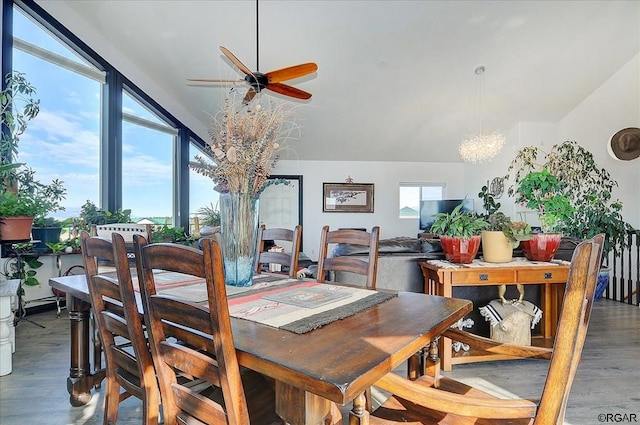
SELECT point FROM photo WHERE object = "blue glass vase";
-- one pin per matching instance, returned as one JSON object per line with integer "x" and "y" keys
{"x": 239, "y": 229}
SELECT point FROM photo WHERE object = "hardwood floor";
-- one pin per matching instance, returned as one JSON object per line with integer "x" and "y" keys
{"x": 607, "y": 380}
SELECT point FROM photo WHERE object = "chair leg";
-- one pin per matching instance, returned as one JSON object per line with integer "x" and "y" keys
{"x": 150, "y": 407}
{"x": 111, "y": 401}
{"x": 97, "y": 348}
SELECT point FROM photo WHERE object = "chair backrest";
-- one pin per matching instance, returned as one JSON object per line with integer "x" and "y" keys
{"x": 351, "y": 264}
{"x": 572, "y": 329}
{"x": 288, "y": 259}
{"x": 201, "y": 331}
{"x": 116, "y": 312}
{"x": 127, "y": 230}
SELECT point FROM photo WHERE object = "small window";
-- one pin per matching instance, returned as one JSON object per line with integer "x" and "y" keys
{"x": 412, "y": 193}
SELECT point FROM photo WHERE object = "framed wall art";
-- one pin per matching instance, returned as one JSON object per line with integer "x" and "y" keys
{"x": 347, "y": 197}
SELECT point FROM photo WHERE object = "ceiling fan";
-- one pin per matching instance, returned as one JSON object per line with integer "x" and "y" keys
{"x": 271, "y": 80}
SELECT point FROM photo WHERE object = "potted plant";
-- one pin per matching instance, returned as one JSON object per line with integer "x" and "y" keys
{"x": 90, "y": 214}
{"x": 18, "y": 106}
{"x": 172, "y": 235}
{"x": 45, "y": 230}
{"x": 541, "y": 191}
{"x": 17, "y": 211}
{"x": 502, "y": 235}
{"x": 587, "y": 186}
{"x": 209, "y": 217}
{"x": 48, "y": 198}
{"x": 459, "y": 233}
{"x": 33, "y": 201}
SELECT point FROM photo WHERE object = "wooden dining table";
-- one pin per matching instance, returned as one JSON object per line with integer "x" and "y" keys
{"x": 335, "y": 363}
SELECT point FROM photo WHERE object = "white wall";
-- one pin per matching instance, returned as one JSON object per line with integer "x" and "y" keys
{"x": 386, "y": 177}
{"x": 613, "y": 106}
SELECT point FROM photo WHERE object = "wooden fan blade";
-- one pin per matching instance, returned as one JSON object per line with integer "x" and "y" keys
{"x": 207, "y": 80}
{"x": 235, "y": 60}
{"x": 288, "y": 90}
{"x": 249, "y": 96}
{"x": 291, "y": 72}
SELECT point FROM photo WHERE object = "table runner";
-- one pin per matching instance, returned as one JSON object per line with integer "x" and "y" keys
{"x": 289, "y": 304}
{"x": 479, "y": 263}
{"x": 266, "y": 308}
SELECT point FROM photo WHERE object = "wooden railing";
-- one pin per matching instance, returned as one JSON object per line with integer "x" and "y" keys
{"x": 624, "y": 283}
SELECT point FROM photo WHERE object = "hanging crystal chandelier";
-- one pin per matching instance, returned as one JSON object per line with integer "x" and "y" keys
{"x": 483, "y": 146}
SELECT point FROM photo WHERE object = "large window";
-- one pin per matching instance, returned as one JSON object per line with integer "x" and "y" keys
{"x": 63, "y": 140}
{"x": 412, "y": 193}
{"x": 109, "y": 142}
{"x": 147, "y": 163}
{"x": 201, "y": 192}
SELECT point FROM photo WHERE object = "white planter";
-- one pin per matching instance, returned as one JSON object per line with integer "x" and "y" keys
{"x": 496, "y": 247}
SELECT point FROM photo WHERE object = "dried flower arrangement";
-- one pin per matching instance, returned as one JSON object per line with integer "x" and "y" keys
{"x": 244, "y": 142}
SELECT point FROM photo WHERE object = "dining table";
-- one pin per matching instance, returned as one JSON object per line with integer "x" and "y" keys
{"x": 332, "y": 362}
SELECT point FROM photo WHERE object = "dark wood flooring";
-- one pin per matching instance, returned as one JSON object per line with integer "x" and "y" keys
{"x": 607, "y": 381}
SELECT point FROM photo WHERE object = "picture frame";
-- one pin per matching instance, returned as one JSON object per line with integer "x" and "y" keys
{"x": 347, "y": 197}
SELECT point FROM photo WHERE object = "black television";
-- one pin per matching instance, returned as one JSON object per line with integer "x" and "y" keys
{"x": 431, "y": 207}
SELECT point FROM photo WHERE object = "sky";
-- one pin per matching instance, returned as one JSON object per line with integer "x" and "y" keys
{"x": 63, "y": 140}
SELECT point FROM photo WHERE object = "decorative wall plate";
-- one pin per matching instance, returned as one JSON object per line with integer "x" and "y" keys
{"x": 497, "y": 187}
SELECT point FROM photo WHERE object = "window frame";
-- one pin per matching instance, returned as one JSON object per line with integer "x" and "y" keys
{"x": 112, "y": 115}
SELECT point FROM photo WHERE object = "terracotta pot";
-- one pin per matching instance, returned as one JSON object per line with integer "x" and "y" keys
{"x": 460, "y": 250}
{"x": 16, "y": 228}
{"x": 542, "y": 247}
{"x": 496, "y": 247}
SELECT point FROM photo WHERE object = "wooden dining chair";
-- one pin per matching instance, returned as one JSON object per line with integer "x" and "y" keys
{"x": 443, "y": 401}
{"x": 352, "y": 264}
{"x": 205, "y": 349}
{"x": 128, "y": 360}
{"x": 288, "y": 259}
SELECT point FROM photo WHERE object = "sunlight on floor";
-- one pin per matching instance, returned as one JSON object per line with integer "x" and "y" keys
{"x": 88, "y": 411}
{"x": 488, "y": 387}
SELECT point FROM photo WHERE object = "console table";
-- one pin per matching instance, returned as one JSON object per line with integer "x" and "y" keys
{"x": 441, "y": 276}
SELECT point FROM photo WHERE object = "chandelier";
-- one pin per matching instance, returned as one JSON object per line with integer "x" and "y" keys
{"x": 482, "y": 146}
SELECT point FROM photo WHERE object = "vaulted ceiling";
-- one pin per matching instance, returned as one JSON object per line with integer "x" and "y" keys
{"x": 396, "y": 79}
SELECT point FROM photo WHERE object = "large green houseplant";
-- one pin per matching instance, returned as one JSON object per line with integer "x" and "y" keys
{"x": 587, "y": 187}
{"x": 459, "y": 233}
{"x": 541, "y": 191}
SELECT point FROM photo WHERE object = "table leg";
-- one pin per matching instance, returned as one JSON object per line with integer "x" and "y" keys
{"x": 547, "y": 311}
{"x": 359, "y": 415}
{"x": 80, "y": 380}
{"x": 298, "y": 407}
{"x": 432, "y": 362}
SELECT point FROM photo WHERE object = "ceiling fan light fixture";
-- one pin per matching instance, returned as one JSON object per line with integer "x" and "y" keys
{"x": 482, "y": 147}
